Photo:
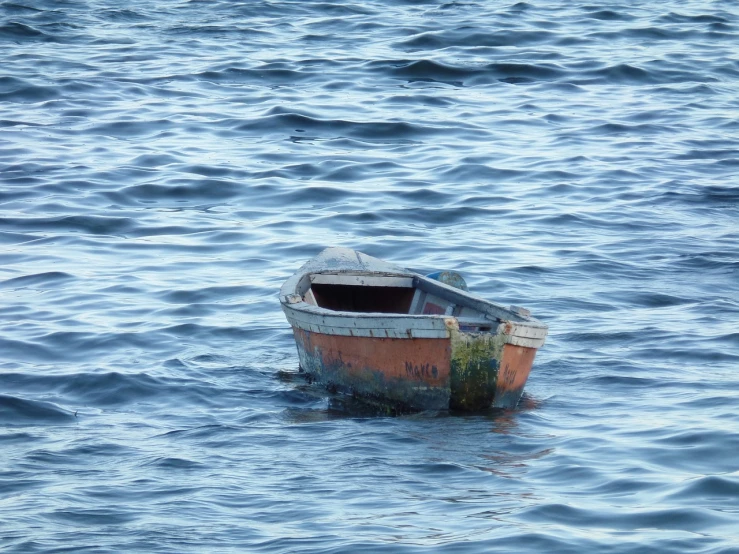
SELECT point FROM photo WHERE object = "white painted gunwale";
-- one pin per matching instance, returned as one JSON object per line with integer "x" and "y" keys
{"x": 520, "y": 330}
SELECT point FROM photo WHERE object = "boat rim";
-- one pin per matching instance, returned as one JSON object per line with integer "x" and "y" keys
{"x": 518, "y": 325}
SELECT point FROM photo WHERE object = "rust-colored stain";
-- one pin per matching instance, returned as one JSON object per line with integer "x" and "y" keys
{"x": 423, "y": 361}
{"x": 515, "y": 366}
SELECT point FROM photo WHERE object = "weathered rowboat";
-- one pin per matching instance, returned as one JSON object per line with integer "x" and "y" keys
{"x": 372, "y": 329}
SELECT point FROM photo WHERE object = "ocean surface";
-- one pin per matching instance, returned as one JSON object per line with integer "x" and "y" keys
{"x": 165, "y": 166}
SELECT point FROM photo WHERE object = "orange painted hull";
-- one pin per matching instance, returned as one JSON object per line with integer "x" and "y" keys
{"x": 515, "y": 366}
{"x": 414, "y": 373}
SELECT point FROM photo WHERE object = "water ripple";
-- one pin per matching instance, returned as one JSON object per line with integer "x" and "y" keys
{"x": 163, "y": 170}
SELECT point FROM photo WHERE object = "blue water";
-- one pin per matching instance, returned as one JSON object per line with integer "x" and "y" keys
{"x": 164, "y": 167}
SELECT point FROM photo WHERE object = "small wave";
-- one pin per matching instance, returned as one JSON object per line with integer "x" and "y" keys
{"x": 465, "y": 38}
{"x": 700, "y": 451}
{"x": 27, "y": 350}
{"x": 93, "y": 516}
{"x": 173, "y": 463}
{"x": 124, "y": 14}
{"x": 128, "y": 129}
{"x": 209, "y": 294}
{"x": 311, "y": 196}
{"x": 649, "y": 299}
{"x": 683, "y": 519}
{"x": 337, "y": 127}
{"x": 37, "y": 281}
{"x": 21, "y": 32}
{"x": 434, "y": 71}
{"x": 21, "y": 411}
{"x": 13, "y": 89}
{"x": 674, "y": 17}
{"x": 705, "y": 261}
{"x": 710, "y": 487}
{"x": 88, "y": 224}
{"x": 211, "y": 190}
{"x": 630, "y": 74}
{"x": 93, "y": 389}
{"x": 478, "y": 173}
{"x": 611, "y": 15}
{"x": 268, "y": 73}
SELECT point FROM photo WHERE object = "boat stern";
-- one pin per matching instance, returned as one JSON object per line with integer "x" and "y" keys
{"x": 487, "y": 370}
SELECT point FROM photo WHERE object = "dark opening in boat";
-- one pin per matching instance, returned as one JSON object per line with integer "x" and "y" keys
{"x": 359, "y": 298}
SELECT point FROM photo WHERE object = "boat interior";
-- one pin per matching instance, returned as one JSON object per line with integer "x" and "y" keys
{"x": 391, "y": 295}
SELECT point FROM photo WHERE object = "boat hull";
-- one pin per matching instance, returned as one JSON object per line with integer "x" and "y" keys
{"x": 464, "y": 372}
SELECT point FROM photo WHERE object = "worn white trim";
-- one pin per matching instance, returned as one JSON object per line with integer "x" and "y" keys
{"x": 463, "y": 298}
{"x": 528, "y": 343}
{"x": 419, "y": 297}
{"x": 476, "y": 322}
{"x": 361, "y": 280}
{"x": 525, "y": 331}
{"x": 305, "y": 314}
{"x": 352, "y": 267}
{"x": 376, "y": 333}
{"x": 310, "y": 299}
{"x": 319, "y": 320}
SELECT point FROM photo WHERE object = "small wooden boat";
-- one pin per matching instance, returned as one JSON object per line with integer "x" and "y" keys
{"x": 372, "y": 329}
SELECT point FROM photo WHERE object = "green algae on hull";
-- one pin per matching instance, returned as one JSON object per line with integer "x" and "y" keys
{"x": 475, "y": 361}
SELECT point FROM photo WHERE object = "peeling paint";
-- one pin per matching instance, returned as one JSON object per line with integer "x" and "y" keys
{"x": 411, "y": 374}
{"x": 470, "y": 371}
